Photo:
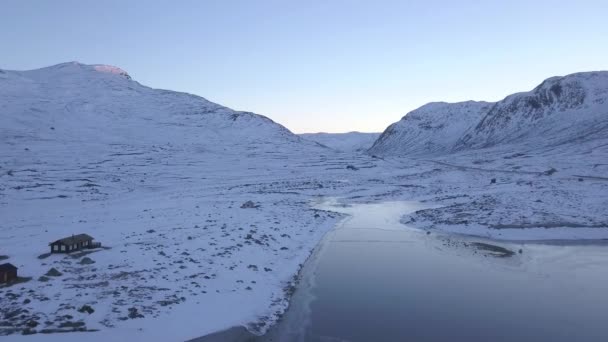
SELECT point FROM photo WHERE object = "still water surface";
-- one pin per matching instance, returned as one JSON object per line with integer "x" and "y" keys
{"x": 374, "y": 279}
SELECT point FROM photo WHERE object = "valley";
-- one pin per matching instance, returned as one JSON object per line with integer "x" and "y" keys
{"x": 207, "y": 214}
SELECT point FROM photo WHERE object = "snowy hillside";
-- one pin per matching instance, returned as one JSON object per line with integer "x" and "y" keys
{"x": 431, "y": 129}
{"x": 347, "y": 142}
{"x": 561, "y": 110}
{"x": 73, "y": 102}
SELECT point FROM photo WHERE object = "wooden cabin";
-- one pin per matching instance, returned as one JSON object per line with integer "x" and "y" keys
{"x": 8, "y": 273}
{"x": 73, "y": 243}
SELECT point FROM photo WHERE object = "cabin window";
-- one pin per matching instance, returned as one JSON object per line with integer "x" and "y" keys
{"x": 63, "y": 248}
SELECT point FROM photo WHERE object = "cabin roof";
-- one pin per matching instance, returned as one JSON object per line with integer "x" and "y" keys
{"x": 7, "y": 267}
{"x": 73, "y": 239}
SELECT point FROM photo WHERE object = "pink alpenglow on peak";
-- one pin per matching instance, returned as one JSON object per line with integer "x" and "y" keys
{"x": 112, "y": 70}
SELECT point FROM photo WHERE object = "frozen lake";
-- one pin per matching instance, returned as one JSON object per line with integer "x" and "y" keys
{"x": 373, "y": 279}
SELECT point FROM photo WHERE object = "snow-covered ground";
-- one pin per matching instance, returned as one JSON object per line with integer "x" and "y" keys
{"x": 345, "y": 142}
{"x": 160, "y": 178}
{"x": 180, "y": 247}
{"x": 518, "y": 196}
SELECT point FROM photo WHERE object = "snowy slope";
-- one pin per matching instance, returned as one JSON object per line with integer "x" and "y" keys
{"x": 431, "y": 129}
{"x": 74, "y": 102}
{"x": 347, "y": 142}
{"x": 561, "y": 110}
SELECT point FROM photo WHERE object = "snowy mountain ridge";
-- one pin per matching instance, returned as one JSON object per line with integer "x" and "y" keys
{"x": 558, "y": 111}
{"x": 431, "y": 129}
{"x": 78, "y": 102}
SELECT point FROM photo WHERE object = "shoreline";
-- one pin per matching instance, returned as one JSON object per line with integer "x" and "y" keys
{"x": 242, "y": 334}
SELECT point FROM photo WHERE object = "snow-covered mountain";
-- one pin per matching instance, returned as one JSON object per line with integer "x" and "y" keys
{"x": 561, "y": 110}
{"x": 346, "y": 142}
{"x": 431, "y": 129}
{"x": 73, "y": 102}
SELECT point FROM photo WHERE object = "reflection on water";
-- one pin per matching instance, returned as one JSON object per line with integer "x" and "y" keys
{"x": 373, "y": 279}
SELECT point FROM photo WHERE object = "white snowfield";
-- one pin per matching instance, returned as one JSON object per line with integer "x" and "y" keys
{"x": 345, "y": 142}
{"x": 163, "y": 180}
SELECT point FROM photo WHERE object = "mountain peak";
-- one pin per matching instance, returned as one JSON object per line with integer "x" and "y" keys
{"x": 77, "y": 68}
{"x": 110, "y": 69}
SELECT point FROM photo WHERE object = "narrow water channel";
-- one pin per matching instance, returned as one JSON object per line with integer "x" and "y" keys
{"x": 374, "y": 279}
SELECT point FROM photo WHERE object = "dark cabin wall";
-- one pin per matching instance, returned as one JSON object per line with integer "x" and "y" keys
{"x": 6, "y": 276}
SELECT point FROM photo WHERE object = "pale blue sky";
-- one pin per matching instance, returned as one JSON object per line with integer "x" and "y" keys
{"x": 312, "y": 65}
